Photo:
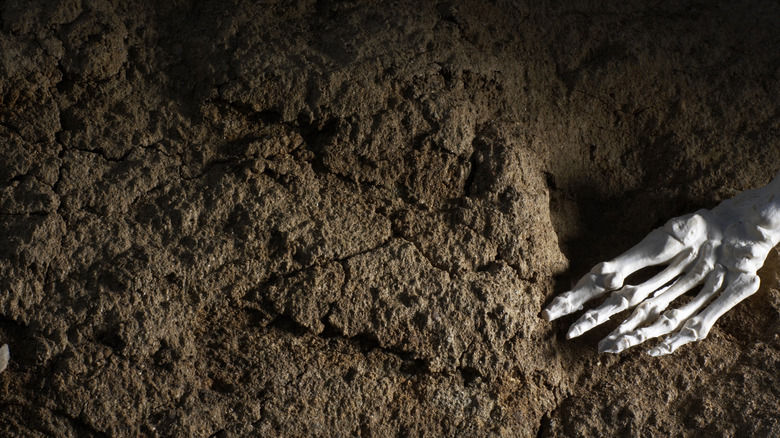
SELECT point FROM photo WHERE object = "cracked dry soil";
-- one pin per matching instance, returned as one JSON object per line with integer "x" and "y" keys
{"x": 321, "y": 218}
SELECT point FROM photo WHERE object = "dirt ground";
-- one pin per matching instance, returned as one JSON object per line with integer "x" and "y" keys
{"x": 321, "y": 218}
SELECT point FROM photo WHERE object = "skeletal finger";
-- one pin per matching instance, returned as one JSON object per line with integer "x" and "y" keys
{"x": 629, "y": 296}
{"x": 697, "y": 327}
{"x": 598, "y": 281}
{"x": 658, "y": 247}
{"x": 627, "y": 335}
{"x": 669, "y": 321}
{"x": 677, "y": 317}
{"x": 589, "y": 287}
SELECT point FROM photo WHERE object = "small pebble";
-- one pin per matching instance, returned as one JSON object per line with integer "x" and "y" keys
{"x": 5, "y": 355}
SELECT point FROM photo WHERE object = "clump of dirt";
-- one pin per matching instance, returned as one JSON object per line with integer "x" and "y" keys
{"x": 316, "y": 218}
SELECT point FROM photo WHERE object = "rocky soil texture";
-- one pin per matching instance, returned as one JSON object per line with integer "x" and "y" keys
{"x": 343, "y": 218}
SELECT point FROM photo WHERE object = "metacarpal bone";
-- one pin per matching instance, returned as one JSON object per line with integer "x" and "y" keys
{"x": 722, "y": 248}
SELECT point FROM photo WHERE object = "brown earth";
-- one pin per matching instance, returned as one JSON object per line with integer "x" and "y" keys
{"x": 313, "y": 218}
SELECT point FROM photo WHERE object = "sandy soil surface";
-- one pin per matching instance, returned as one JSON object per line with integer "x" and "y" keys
{"x": 321, "y": 218}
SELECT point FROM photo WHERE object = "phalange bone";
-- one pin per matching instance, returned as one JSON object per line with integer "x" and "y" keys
{"x": 705, "y": 262}
{"x": 616, "y": 303}
{"x": 628, "y": 335}
{"x": 670, "y": 320}
{"x": 709, "y": 290}
{"x": 691, "y": 331}
{"x": 657, "y": 248}
{"x": 560, "y": 306}
{"x": 621, "y": 343}
{"x": 651, "y": 309}
{"x": 590, "y": 286}
{"x": 661, "y": 350}
{"x": 642, "y": 313}
{"x": 740, "y": 288}
{"x": 628, "y": 296}
{"x": 698, "y": 327}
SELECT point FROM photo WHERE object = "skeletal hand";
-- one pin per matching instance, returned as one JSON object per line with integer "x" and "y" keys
{"x": 720, "y": 248}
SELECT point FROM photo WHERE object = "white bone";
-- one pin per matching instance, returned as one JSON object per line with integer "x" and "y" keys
{"x": 722, "y": 247}
{"x": 627, "y": 334}
{"x": 625, "y": 337}
{"x": 628, "y": 296}
{"x": 697, "y": 328}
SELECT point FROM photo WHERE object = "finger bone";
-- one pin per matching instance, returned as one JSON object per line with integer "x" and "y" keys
{"x": 628, "y": 296}
{"x": 621, "y": 343}
{"x": 586, "y": 289}
{"x": 614, "y": 304}
{"x": 693, "y": 330}
{"x": 560, "y": 306}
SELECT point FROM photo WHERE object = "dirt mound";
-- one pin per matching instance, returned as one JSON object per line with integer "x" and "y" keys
{"x": 313, "y": 218}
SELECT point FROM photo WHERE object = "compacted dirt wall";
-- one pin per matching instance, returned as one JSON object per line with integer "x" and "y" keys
{"x": 343, "y": 218}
